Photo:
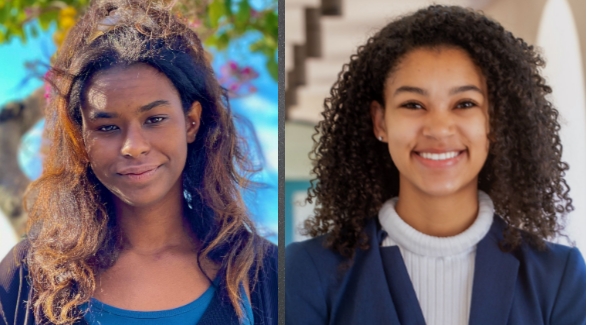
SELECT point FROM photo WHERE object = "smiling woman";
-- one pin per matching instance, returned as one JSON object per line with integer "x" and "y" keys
{"x": 439, "y": 180}
{"x": 137, "y": 217}
{"x": 116, "y": 122}
{"x": 436, "y": 122}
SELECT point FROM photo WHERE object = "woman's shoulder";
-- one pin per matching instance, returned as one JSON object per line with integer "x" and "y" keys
{"x": 265, "y": 291}
{"x": 315, "y": 252}
{"x": 309, "y": 262}
{"x": 270, "y": 257}
{"x": 552, "y": 253}
{"x": 267, "y": 272}
{"x": 556, "y": 272}
{"x": 13, "y": 272}
{"x": 269, "y": 268}
{"x": 554, "y": 259}
{"x": 557, "y": 276}
{"x": 12, "y": 263}
{"x": 303, "y": 247}
{"x": 552, "y": 256}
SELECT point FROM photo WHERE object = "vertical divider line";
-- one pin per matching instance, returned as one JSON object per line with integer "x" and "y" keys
{"x": 281, "y": 163}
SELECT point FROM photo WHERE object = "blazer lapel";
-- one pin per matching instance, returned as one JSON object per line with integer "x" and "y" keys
{"x": 366, "y": 298}
{"x": 400, "y": 287}
{"x": 495, "y": 275}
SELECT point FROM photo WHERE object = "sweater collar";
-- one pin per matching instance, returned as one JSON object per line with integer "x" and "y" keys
{"x": 419, "y": 243}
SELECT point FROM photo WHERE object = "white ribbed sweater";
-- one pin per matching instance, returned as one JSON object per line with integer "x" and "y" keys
{"x": 441, "y": 268}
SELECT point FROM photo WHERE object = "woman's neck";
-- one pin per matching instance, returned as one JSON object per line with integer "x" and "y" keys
{"x": 439, "y": 216}
{"x": 155, "y": 228}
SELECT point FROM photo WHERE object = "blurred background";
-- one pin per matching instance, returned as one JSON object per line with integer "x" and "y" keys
{"x": 241, "y": 37}
{"x": 322, "y": 34}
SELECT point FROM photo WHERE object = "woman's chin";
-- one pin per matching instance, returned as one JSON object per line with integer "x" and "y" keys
{"x": 441, "y": 189}
{"x": 138, "y": 199}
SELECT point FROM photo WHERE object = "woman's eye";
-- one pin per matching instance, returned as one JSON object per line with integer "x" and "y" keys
{"x": 107, "y": 128}
{"x": 412, "y": 105}
{"x": 153, "y": 120}
{"x": 467, "y": 104}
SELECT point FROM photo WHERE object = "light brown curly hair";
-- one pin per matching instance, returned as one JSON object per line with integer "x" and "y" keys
{"x": 72, "y": 230}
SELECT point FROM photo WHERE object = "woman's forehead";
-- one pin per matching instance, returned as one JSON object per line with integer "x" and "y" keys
{"x": 452, "y": 67}
{"x": 118, "y": 85}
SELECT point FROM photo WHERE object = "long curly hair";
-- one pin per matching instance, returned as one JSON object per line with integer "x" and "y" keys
{"x": 72, "y": 228}
{"x": 523, "y": 173}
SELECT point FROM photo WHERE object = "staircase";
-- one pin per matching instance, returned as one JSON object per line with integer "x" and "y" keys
{"x": 321, "y": 35}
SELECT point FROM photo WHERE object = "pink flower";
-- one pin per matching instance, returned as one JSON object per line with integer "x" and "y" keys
{"x": 194, "y": 23}
{"x": 31, "y": 12}
{"x": 46, "y": 85}
{"x": 236, "y": 79}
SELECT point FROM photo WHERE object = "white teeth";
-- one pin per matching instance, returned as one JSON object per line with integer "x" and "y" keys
{"x": 439, "y": 156}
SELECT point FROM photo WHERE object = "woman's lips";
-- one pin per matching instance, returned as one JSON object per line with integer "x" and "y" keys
{"x": 143, "y": 176}
{"x": 444, "y": 163}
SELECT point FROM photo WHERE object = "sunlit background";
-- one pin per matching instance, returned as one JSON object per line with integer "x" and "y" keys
{"x": 322, "y": 34}
{"x": 245, "y": 60}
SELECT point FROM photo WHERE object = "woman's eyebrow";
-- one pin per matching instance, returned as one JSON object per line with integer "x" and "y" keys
{"x": 105, "y": 115}
{"x": 94, "y": 115}
{"x": 424, "y": 92}
{"x": 151, "y": 105}
{"x": 461, "y": 89}
{"x": 410, "y": 89}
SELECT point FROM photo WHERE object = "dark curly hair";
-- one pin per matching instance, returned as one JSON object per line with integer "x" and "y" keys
{"x": 523, "y": 173}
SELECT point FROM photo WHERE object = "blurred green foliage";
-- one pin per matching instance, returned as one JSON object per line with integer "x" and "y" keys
{"x": 15, "y": 14}
{"x": 217, "y": 22}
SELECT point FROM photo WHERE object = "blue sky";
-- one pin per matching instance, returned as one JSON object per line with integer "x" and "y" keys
{"x": 13, "y": 56}
{"x": 261, "y": 108}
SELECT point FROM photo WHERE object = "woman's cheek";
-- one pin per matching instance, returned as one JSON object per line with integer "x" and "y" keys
{"x": 402, "y": 135}
{"x": 477, "y": 134}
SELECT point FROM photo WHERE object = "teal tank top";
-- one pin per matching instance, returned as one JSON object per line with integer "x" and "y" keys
{"x": 98, "y": 313}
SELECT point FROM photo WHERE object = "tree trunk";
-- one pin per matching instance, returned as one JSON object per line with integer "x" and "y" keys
{"x": 16, "y": 118}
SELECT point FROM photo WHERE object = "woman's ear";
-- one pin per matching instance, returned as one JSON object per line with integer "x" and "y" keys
{"x": 193, "y": 121}
{"x": 378, "y": 122}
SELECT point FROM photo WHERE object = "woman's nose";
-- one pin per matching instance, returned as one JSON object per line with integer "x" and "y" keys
{"x": 439, "y": 124}
{"x": 135, "y": 143}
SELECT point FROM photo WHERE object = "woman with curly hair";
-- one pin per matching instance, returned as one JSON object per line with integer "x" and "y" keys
{"x": 438, "y": 181}
{"x": 137, "y": 217}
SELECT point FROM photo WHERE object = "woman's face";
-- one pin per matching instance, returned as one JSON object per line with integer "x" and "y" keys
{"x": 435, "y": 121}
{"x": 136, "y": 133}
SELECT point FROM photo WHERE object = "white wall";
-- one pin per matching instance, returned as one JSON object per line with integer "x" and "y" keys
{"x": 557, "y": 38}
{"x": 7, "y": 236}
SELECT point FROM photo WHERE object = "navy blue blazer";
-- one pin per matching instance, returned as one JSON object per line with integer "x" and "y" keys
{"x": 525, "y": 286}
